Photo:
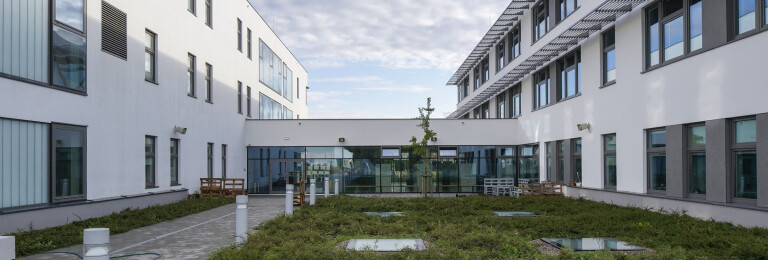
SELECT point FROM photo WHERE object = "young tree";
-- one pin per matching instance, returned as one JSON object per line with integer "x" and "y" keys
{"x": 419, "y": 148}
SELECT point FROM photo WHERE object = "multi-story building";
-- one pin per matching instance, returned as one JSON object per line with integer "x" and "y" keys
{"x": 648, "y": 103}
{"x": 109, "y": 104}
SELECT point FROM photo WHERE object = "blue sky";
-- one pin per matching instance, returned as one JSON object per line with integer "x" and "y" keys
{"x": 380, "y": 59}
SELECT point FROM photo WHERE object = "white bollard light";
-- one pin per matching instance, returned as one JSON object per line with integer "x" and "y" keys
{"x": 288, "y": 200}
{"x": 96, "y": 244}
{"x": 336, "y": 186}
{"x": 327, "y": 187}
{"x": 7, "y": 247}
{"x": 241, "y": 219}
{"x": 312, "y": 191}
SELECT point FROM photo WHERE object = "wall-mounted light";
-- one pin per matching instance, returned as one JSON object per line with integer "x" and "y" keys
{"x": 584, "y": 126}
{"x": 342, "y": 139}
{"x": 180, "y": 130}
{"x": 286, "y": 138}
{"x": 433, "y": 139}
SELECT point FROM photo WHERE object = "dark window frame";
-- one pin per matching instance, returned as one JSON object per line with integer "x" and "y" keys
{"x": 541, "y": 77}
{"x": 516, "y": 101}
{"x": 501, "y": 105}
{"x": 539, "y": 12}
{"x": 191, "y": 73}
{"x": 684, "y": 12}
{"x": 399, "y": 152}
{"x": 223, "y": 161}
{"x": 476, "y": 73}
{"x": 239, "y": 35}
{"x": 561, "y": 68}
{"x": 209, "y": 162}
{"x": 561, "y": 16}
{"x": 250, "y": 44}
{"x": 485, "y": 70}
{"x": 690, "y": 150}
{"x": 501, "y": 48}
{"x": 175, "y": 142}
{"x": 209, "y": 83}
{"x": 248, "y": 101}
{"x": 576, "y": 154}
{"x": 654, "y": 151}
{"x": 606, "y": 49}
{"x": 152, "y": 51}
{"x": 52, "y": 172}
{"x": 150, "y": 183}
{"x": 209, "y": 13}
{"x": 607, "y": 153}
{"x": 761, "y": 22}
{"x": 734, "y": 148}
{"x": 240, "y": 97}
{"x": 192, "y": 6}
{"x": 514, "y": 47}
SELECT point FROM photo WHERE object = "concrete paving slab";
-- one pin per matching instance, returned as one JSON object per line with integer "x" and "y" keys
{"x": 191, "y": 237}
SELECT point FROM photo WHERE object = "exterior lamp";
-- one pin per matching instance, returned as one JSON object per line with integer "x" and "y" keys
{"x": 342, "y": 139}
{"x": 180, "y": 130}
{"x": 584, "y": 126}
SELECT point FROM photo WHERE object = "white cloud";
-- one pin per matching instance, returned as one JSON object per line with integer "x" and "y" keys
{"x": 410, "y": 89}
{"x": 394, "y": 34}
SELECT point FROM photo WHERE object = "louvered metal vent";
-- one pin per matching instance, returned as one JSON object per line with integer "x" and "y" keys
{"x": 114, "y": 39}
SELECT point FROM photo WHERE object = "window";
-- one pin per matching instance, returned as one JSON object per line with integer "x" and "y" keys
{"x": 576, "y": 160}
{"x": 565, "y": 8}
{"x": 71, "y": 13}
{"x": 239, "y": 35}
{"x": 250, "y": 46}
{"x": 666, "y": 27}
{"x": 501, "y": 106}
{"x": 192, "y": 6}
{"x": 500, "y": 49}
{"x": 465, "y": 88}
{"x": 697, "y": 159}
{"x": 191, "y": 75}
{"x": 210, "y": 160}
{"x": 570, "y": 75}
{"x": 239, "y": 97}
{"x": 529, "y": 163}
{"x": 486, "y": 110}
{"x": 248, "y": 101}
{"x": 150, "y": 41}
{"x": 223, "y": 160}
{"x": 287, "y": 113}
{"x": 269, "y": 108}
{"x": 765, "y": 12}
{"x": 208, "y": 83}
{"x": 514, "y": 43}
{"x": 287, "y": 83}
{"x": 609, "y": 57}
{"x": 68, "y": 163}
{"x": 516, "y": 101}
{"x": 209, "y": 13}
{"x": 68, "y": 51}
{"x": 745, "y": 16}
{"x": 174, "y": 162}
{"x": 477, "y": 78}
{"x": 541, "y": 88}
{"x": 149, "y": 162}
{"x": 560, "y": 147}
{"x": 448, "y": 152}
{"x": 25, "y": 144}
{"x": 486, "y": 74}
{"x": 609, "y": 161}
{"x": 391, "y": 152}
{"x": 271, "y": 70}
{"x": 540, "y": 17}
{"x": 744, "y": 159}
{"x": 657, "y": 160}
{"x": 549, "y": 162}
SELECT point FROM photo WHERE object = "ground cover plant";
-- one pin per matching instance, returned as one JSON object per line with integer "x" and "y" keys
{"x": 465, "y": 228}
{"x": 37, "y": 241}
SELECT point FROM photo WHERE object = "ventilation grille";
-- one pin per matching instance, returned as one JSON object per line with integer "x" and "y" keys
{"x": 114, "y": 39}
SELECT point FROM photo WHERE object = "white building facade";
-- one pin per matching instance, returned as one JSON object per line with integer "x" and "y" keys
{"x": 112, "y": 104}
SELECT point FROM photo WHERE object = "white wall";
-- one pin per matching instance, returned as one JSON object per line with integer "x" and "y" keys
{"x": 121, "y": 107}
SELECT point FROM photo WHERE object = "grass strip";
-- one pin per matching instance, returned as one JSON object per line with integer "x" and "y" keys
{"x": 37, "y": 241}
{"x": 466, "y": 228}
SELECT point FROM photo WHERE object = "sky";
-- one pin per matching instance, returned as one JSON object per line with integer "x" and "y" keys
{"x": 380, "y": 59}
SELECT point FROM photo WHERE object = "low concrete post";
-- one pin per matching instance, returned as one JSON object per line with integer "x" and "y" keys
{"x": 96, "y": 244}
{"x": 312, "y": 191}
{"x": 241, "y": 219}
{"x": 336, "y": 186}
{"x": 7, "y": 247}
{"x": 288, "y": 200}
{"x": 327, "y": 187}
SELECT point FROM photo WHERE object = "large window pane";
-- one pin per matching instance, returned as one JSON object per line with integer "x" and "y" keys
{"x": 149, "y": 162}
{"x": 610, "y": 66}
{"x": 653, "y": 36}
{"x": 697, "y": 135}
{"x": 610, "y": 171}
{"x": 657, "y": 139}
{"x": 448, "y": 175}
{"x": 695, "y": 22}
{"x": 746, "y": 131}
{"x": 393, "y": 175}
{"x": 361, "y": 175}
{"x": 746, "y": 174}
{"x": 69, "y": 162}
{"x": 68, "y": 59}
{"x": 745, "y": 11}
{"x": 673, "y": 38}
{"x": 70, "y": 12}
{"x": 324, "y": 152}
{"x": 610, "y": 142}
{"x": 698, "y": 173}
{"x": 657, "y": 172}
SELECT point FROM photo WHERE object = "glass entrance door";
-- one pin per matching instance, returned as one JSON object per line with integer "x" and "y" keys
{"x": 282, "y": 172}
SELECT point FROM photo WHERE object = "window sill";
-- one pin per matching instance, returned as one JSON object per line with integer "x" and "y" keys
{"x": 150, "y": 81}
{"x": 174, "y": 185}
{"x": 151, "y": 187}
{"x": 45, "y": 85}
{"x": 192, "y": 96}
{"x": 608, "y": 84}
{"x": 209, "y": 102}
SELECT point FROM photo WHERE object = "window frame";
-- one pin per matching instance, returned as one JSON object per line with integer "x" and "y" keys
{"x": 209, "y": 163}
{"x": 177, "y": 143}
{"x": 153, "y": 54}
{"x": 559, "y": 11}
{"x": 56, "y": 22}
{"x": 515, "y": 44}
{"x": 562, "y": 71}
{"x": 734, "y": 148}
{"x": 239, "y": 35}
{"x": 150, "y": 184}
{"x": 239, "y": 97}
{"x": 192, "y": 6}
{"x": 399, "y": 152}
{"x": 690, "y": 150}
{"x": 761, "y": 20}
{"x": 208, "y": 83}
{"x": 684, "y": 12}
{"x": 606, "y": 49}
{"x": 538, "y": 79}
{"x": 654, "y": 151}
{"x": 516, "y": 101}
{"x": 607, "y": 153}
{"x": 248, "y": 103}
{"x": 209, "y": 13}
{"x": 191, "y": 74}
{"x": 52, "y": 172}
{"x": 576, "y": 177}
{"x": 223, "y": 161}
{"x": 485, "y": 70}
{"x": 501, "y": 48}
{"x": 540, "y": 8}
{"x": 476, "y": 73}
{"x": 250, "y": 43}
{"x": 501, "y": 106}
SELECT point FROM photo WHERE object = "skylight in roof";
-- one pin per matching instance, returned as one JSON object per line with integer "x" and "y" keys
{"x": 386, "y": 245}
{"x": 590, "y": 244}
{"x": 514, "y": 214}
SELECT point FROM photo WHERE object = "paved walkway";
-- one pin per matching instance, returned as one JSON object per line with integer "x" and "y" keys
{"x": 192, "y": 237}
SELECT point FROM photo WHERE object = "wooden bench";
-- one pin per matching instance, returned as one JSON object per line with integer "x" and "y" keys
{"x": 211, "y": 187}
{"x": 544, "y": 188}
{"x": 234, "y": 187}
